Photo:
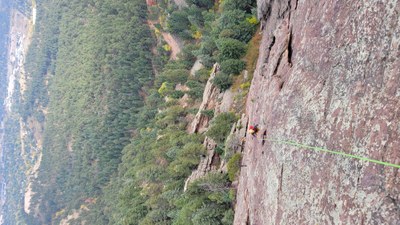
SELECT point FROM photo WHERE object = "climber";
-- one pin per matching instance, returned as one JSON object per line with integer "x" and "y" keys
{"x": 253, "y": 130}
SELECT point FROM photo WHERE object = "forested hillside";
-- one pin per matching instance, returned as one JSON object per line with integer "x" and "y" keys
{"x": 115, "y": 145}
{"x": 4, "y": 29}
{"x": 95, "y": 58}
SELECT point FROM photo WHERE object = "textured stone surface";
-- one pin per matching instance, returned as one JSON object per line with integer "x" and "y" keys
{"x": 211, "y": 161}
{"x": 328, "y": 75}
{"x": 208, "y": 162}
{"x": 196, "y": 67}
{"x": 213, "y": 99}
{"x": 210, "y": 96}
{"x": 220, "y": 102}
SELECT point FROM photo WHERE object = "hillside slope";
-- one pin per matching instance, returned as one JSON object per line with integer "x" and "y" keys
{"x": 328, "y": 76}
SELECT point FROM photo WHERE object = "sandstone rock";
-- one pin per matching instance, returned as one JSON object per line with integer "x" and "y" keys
{"x": 220, "y": 102}
{"x": 212, "y": 162}
{"x": 225, "y": 100}
{"x": 196, "y": 67}
{"x": 181, "y": 87}
{"x": 184, "y": 101}
{"x": 235, "y": 140}
{"x": 211, "y": 92}
{"x": 208, "y": 162}
{"x": 328, "y": 76}
{"x": 245, "y": 75}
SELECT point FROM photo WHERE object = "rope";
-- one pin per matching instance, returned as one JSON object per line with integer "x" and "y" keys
{"x": 292, "y": 143}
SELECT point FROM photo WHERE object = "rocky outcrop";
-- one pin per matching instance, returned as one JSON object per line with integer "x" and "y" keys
{"x": 211, "y": 161}
{"x": 235, "y": 141}
{"x": 327, "y": 75}
{"x": 219, "y": 102}
{"x": 208, "y": 162}
{"x": 213, "y": 99}
{"x": 209, "y": 102}
{"x": 196, "y": 67}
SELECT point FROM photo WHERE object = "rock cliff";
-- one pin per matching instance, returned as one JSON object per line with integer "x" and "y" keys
{"x": 328, "y": 75}
{"x": 219, "y": 102}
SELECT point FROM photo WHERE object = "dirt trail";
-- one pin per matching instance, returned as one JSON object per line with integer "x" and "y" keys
{"x": 173, "y": 42}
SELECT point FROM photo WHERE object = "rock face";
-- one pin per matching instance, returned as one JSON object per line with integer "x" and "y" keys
{"x": 210, "y": 94}
{"x": 214, "y": 99}
{"x": 211, "y": 161}
{"x": 328, "y": 75}
{"x": 208, "y": 162}
{"x": 196, "y": 67}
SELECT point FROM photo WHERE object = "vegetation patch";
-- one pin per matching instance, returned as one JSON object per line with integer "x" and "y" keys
{"x": 221, "y": 126}
{"x": 234, "y": 166}
{"x": 223, "y": 81}
{"x": 252, "y": 53}
{"x": 233, "y": 66}
{"x": 208, "y": 113}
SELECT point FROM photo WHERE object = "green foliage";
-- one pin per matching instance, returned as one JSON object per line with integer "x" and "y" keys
{"x": 223, "y": 81}
{"x": 205, "y": 201}
{"x": 207, "y": 215}
{"x": 219, "y": 150}
{"x": 178, "y": 23}
{"x": 40, "y": 60}
{"x": 173, "y": 76}
{"x": 196, "y": 89}
{"x": 171, "y": 116}
{"x": 221, "y": 126}
{"x": 186, "y": 160}
{"x": 252, "y": 20}
{"x": 165, "y": 89}
{"x": 235, "y": 24}
{"x": 196, "y": 93}
{"x": 202, "y": 3}
{"x": 96, "y": 60}
{"x": 192, "y": 84}
{"x": 244, "y": 5}
{"x": 233, "y": 66}
{"x": 234, "y": 166}
{"x": 228, "y": 217}
{"x": 187, "y": 56}
{"x": 208, "y": 113}
{"x": 206, "y": 51}
{"x": 195, "y": 16}
{"x": 227, "y": 33}
{"x": 230, "y": 48}
{"x": 232, "y": 194}
{"x": 202, "y": 75}
{"x": 245, "y": 86}
{"x": 176, "y": 94}
{"x": 162, "y": 56}
{"x": 193, "y": 111}
{"x": 101, "y": 140}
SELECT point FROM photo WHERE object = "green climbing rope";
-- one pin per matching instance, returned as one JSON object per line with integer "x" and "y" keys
{"x": 292, "y": 143}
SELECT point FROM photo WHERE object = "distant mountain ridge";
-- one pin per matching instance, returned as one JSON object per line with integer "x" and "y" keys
{"x": 4, "y": 30}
